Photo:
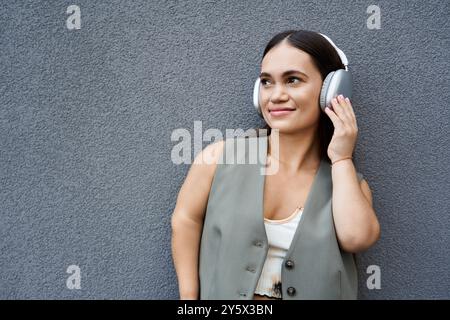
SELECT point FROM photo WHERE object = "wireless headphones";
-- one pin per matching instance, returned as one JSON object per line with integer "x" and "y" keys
{"x": 336, "y": 83}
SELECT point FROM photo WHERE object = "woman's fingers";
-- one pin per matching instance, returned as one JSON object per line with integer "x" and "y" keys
{"x": 341, "y": 108}
{"x": 339, "y": 112}
{"x": 345, "y": 102}
{"x": 345, "y": 111}
{"x": 342, "y": 114}
{"x": 350, "y": 108}
{"x": 337, "y": 122}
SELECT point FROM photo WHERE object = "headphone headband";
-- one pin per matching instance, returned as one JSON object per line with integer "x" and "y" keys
{"x": 339, "y": 51}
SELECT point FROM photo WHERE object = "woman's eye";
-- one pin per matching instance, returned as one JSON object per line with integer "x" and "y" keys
{"x": 290, "y": 80}
{"x": 294, "y": 78}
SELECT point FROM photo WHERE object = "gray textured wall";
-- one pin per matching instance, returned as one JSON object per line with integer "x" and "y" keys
{"x": 87, "y": 115}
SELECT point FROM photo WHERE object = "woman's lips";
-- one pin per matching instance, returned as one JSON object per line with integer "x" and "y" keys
{"x": 281, "y": 112}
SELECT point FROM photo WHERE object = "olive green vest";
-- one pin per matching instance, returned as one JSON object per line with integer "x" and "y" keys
{"x": 234, "y": 243}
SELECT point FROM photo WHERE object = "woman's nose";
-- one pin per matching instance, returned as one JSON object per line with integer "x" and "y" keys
{"x": 278, "y": 94}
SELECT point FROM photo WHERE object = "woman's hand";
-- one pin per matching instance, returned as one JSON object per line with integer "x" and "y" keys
{"x": 345, "y": 129}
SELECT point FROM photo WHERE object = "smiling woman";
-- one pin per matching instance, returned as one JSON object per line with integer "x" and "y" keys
{"x": 306, "y": 48}
{"x": 240, "y": 235}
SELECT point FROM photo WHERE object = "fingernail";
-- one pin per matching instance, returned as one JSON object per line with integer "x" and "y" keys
{"x": 341, "y": 96}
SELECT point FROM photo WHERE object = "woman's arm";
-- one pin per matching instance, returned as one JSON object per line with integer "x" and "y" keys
{"x": 355, "y": 221}
{"x": 357, "y": 226}
{"x": 188, "y": 216}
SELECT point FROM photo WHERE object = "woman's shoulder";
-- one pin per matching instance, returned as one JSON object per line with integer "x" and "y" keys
{"x": 193, "y": 195}
{"x": 211, "y": 154}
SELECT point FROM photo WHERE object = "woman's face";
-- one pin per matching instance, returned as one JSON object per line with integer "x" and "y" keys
{"x": 297, "y": 91}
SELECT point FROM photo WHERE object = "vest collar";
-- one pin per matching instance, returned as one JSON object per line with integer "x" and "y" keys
{"x": 319, "y": 194}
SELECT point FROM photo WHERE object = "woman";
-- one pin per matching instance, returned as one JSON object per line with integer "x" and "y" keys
{"x": 317, "y": 209}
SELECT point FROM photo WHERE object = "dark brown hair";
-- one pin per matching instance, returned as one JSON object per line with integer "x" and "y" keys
{"x": 325, "y": 58}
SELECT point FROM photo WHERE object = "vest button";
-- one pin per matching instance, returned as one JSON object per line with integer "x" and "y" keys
{"x": 291, "y": 291}
{"x": 258, "y": 243}
{"x": 289, "y": 264}
{"x": 250, "y": 269}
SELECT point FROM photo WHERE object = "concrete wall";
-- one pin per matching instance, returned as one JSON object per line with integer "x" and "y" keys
{"x": 86, "y": 117}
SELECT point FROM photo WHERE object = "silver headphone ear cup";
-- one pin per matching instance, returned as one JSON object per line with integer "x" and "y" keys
{"x": 336, "y": 83}
{"x": 256, "y": 96}
{"x": 324, "y": 90}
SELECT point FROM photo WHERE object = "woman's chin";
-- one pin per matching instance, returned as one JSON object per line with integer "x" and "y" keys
{"x": 283, "y": 128}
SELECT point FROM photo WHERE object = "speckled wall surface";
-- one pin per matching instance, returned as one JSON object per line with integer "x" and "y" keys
{"x": 87, "y": 116}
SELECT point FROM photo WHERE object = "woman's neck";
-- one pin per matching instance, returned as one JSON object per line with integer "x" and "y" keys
{"x": 296, "y": 152}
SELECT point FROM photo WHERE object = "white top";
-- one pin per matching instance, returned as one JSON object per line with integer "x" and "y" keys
{"x": 279, "y": 234}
